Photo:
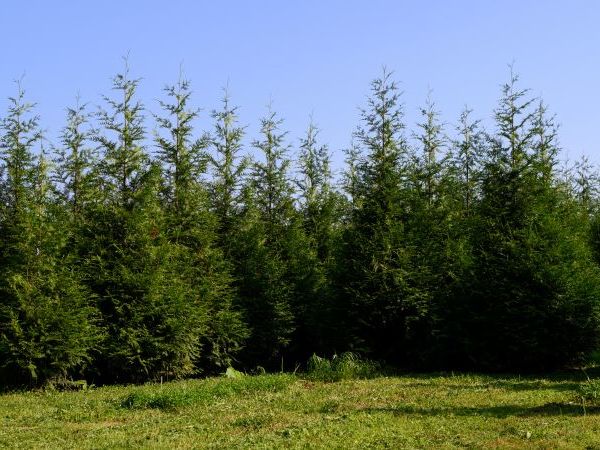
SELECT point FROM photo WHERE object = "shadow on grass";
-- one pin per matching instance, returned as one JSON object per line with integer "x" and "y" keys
{"x": 574, "y": 375}
{"x": 500, "y": 412}
{"x": 565, "y": 380}
{"x": 523, "y": 385}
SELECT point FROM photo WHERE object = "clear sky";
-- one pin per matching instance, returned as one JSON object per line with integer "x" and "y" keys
{"x": 311, "y": 56}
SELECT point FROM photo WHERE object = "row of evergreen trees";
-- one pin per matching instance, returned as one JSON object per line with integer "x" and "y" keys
{"x": 127, "y": 255}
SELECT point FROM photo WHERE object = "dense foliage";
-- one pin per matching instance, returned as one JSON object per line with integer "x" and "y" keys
{"x": 131, "y": 250}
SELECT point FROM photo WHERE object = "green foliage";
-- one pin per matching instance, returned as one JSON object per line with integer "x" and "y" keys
{"x": 347, "y": 366}
{"x": 74, "y": 165}
{"x": 454, "y": 247}
{"x": 228, "y": 168}
{"x": 47, "y": 323}
{"x": 264, "y": 249}
{"x": 589, "y": 392}
{"x": 48, "y": 328}
{"x": 534, "y": 282}
{"x": 320, "y": 207}
{"x": 377, "y": 281}
{"x": 151, "y": 313}
{"x": 263, "y": 291}
{"x": 171, "y": 397}
{"x": 232, "y": 373}
{"x": 193, "y": 227}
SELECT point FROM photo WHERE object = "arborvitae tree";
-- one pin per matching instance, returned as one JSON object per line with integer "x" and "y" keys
{"x": 452, "y": 246}
{"x": 582, "y": 181}
{"x": 319, "y": 207}
{"x": 533, "y": 282}
{"x": 377, "y": 277}
{"x": 228, "y": 169}
{"x": 350, "y": 181}
{"x": 467, "y": 157}
{"x": 474, "y": 253}
{"x": 74, "y": 162}
{"x": 264, "y": 236}
{"x": 432, "y": 142}
{"x": 131, "y": 265}
{"x": 47, "y": 326}
{"x": 429, "y": 227}
{"x": 191, "y": 226}
{"x": 319, "y": 202}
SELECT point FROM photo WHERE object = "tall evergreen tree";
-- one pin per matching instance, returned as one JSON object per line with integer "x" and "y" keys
{"x": 47, "y": 328}
{"x": 319, "y": 206}
{"x": 192, "y": 227}
{"x": 534, "y": 282}
{"x": 429, "y": 228}
{"x": 384, "y": 302}
{"x": 74, "y": 162}
{"x": 452, "y": 246}
{"x": 319, "y": 201}
{"x": 267, "y": 232}
{"x": 432, "y": 142}
{"x": 131, "y": 265}
{"x": 350, "y": 181}
{"x": 469, "y": 149}
{"x": 228, "y": 168}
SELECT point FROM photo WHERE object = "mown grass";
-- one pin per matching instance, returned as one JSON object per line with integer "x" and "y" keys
{"x": 286, "y": 411}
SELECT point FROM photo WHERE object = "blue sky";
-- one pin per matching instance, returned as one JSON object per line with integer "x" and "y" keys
{"x": 311, "y": 57}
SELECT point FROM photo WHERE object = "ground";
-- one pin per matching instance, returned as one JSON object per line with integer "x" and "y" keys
{"x": 286, "y": 411}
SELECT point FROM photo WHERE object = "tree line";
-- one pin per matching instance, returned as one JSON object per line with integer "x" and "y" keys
{"x": 131, "y": 251}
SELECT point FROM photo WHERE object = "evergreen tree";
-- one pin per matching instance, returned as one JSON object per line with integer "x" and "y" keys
{"x": 319, "y": 208}
{"x": 469, "y": 152}
{"x": 378, "y": 280}
{"x": 76, "y": 182}
{"x": 192, "y": 228}
{"x": 452, "y": 246}
{"x": 432, "y": 142}
{"x": 533, "y": 279}
{"x": 228, "y": 169}
{"x": 74, "y": 162}
{"x": 583, "y": 183}
{"x": 350, "y": 181}
{"x": 47, "y": 328}
{"x": 584, "y": 180}
{"x": 429, "y": 229}
{"x": 261, "y": 249}
{"x": 319, "y": 202}
{"x": 131, "y": 265}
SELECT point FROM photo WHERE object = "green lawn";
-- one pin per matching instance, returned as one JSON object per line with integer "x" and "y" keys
{"x": 412, "y": 411}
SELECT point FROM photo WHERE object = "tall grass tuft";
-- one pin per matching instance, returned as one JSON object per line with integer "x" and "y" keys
{"x": 347, "y": 366}
{"x": 589, "y": 392}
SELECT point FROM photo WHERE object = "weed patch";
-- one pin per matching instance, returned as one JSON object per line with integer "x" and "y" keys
{"x": 347, "y": 366}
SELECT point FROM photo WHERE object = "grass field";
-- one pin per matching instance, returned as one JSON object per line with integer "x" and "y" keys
{"x": 285, "y": 411}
